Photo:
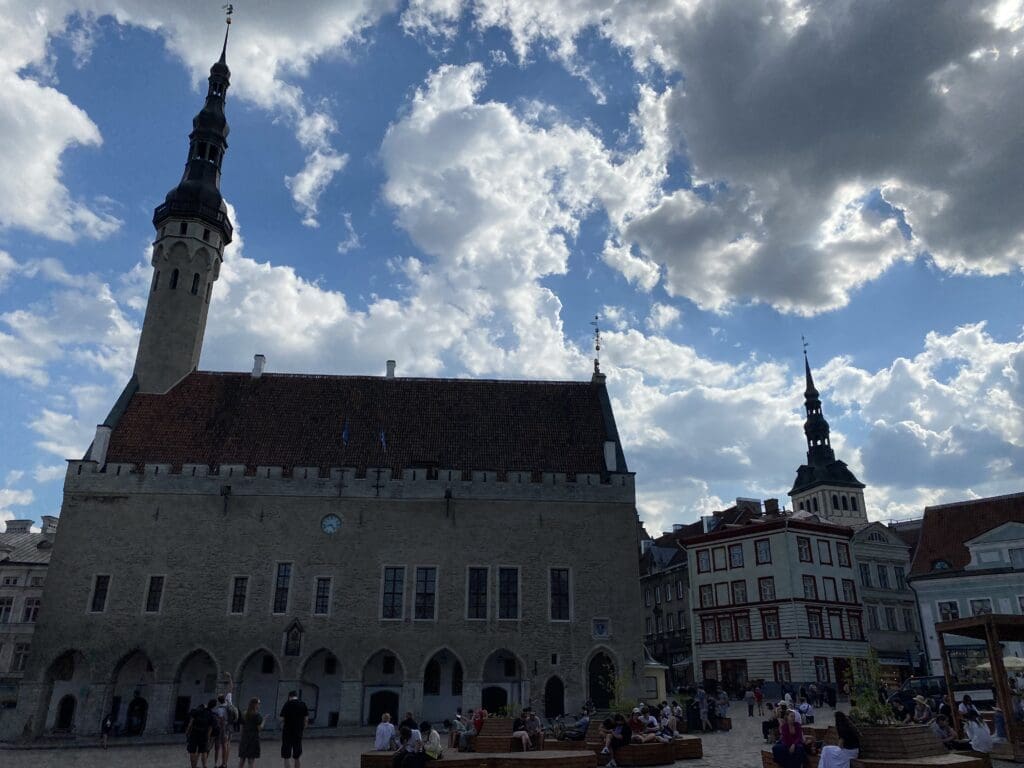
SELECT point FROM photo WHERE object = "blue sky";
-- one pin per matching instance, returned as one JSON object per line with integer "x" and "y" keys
{"x": 461, "y": 185}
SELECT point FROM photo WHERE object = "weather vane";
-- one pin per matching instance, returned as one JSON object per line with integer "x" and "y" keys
{"x": 804, "y": 342}
{"x": 597, "y": 343}
{"x": 228, "y": 10}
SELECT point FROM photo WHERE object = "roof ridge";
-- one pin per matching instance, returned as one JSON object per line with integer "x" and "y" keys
{"x": 371, "y": 377}
{"x": 982, "y": 500}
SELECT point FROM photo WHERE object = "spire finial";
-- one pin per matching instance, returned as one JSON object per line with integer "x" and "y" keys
{"x": 597, "y": 343}
{"x": 229, "y": 9}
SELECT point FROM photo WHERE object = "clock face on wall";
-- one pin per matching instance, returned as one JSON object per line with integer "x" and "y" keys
{"x": 330, "y": 524}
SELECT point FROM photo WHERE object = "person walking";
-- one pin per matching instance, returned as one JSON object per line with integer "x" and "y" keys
{"x": 249, "y": 740}
{"x": 759, "y": 700}
{"x": 748, "y": 697}
{"x": 294, "y": 719}
{"x": 198, "y": 733}
{"x": 702, "y": 705}
{"x": 105, "y": 729}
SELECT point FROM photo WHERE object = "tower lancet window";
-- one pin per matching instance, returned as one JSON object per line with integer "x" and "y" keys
{"x": 183, "y": 228}
{"x": 195, "y": 289}
{"x": 174, "y": 280}
{"x": 845, "y": 505}
{"x": 209, "y": 290}
{"x": 853, "y": 503}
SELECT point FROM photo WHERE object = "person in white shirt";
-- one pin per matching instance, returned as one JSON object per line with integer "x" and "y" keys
{"x": 386, "y": 738}
{"x": 977, "y": 732}
{"x": 967, "y": 706}
{"x": 806, "y": 710}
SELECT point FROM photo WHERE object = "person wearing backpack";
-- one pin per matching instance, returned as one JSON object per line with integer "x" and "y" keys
{"x": 226, "y": 715}
{"x": 217, "y": 728}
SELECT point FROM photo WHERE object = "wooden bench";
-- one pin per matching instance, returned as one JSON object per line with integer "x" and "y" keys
{"x": 496, "y": 736}
{"x": 947, "y": 760}
{"x": 767, "y": 761}
{"x": 688, "y": 748}
{"x": 576, "y": 759}
{"x": 653, "y": 753}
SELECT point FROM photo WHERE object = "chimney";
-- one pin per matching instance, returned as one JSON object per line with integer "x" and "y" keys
{"x": 19, "y": 526}
{"x": 259, "y": 362}
{"x": 391, "y": 369}
{"x": 610, "y": 456}
{"x": 676, "y": 527}
{"x": 707, "y": 522}
{"x": 771, "y": 506}
{"x": 49, "y": 524}
{"x": 100, "y": 443}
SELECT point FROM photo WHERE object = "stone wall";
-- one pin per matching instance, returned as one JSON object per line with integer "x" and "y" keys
{"x": 202, "y": 530}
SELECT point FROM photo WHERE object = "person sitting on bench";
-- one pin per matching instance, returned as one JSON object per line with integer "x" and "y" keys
{"x": 789, "y": 751}
{"x": 519, "y": 732}
{"x": 947, "y": 735}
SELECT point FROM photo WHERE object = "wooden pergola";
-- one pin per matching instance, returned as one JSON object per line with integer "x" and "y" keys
{"x": 992, "y": 629}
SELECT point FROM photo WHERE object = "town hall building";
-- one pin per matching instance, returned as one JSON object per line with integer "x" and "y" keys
{"x": 378, "y": 543}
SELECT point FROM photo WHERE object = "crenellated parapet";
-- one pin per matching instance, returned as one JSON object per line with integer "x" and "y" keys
{"x": 86, "y": 477}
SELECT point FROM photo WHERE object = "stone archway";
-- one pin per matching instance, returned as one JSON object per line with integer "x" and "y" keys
{"x": 503, "y": 671}
{"x": 131, "y": 687}
{"x": 260, "y": 677}
{"x": 601, "y": 680}
{"x": 383, "y": 676}
{"x": 442, "y": 686}
{"x": 68, "y": 679}
{"x": 195, "y": 682}
{"x": 321, "y": 689}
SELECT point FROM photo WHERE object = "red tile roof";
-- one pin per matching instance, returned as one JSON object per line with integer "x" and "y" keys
{"x": 298, "y": 420}
{"x": 947, "y": 527}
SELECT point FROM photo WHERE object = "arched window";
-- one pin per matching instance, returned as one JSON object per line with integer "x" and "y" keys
{"x": 843, "y": 499}
{"x": 156, "y": 279}
{"x": 835, "y": 501}
{"x": 174, "y": 280}
{"x": 195, "y": 290}
{"x": 432, "y": 679}
{"x": 803, "y": 505}
{"x": 814, "y": 503}
{"x": 853, "y": 503}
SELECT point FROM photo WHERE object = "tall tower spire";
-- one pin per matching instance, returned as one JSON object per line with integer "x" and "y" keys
{"x": 192, "y": 228}
{"x": 825, "y": 486}
{"x": 816, "y": 429}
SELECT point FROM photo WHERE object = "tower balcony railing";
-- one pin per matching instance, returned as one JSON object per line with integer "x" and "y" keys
{"x": 205, "y": 212}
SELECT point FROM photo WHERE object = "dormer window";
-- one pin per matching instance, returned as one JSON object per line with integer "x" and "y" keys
{"x": 941, "y": 565}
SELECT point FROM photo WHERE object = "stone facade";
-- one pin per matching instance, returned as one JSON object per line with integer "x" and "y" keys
{"x": 131, "y": 527}
{"x": 24, "y": 558}
{"x": 890, "y": 605}
{"x": 774, "y": 599}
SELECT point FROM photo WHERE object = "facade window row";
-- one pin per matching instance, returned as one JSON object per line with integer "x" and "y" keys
{"x": 29, "y": 610}
{"x": 655, "y": 595}
{"x": 806, "y": 552}
{"x": 840, "y": 501}
{"x": 726, "y": 593}
{"x": 879, "y": 576}
{"x": 725, "y": 558}
{"x": 424, "y": 602}
{"x": 668, "y": 622}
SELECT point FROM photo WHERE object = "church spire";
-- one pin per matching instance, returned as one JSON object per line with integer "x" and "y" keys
{"x": 819, "y": 446}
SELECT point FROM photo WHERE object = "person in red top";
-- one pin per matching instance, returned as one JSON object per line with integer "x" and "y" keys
{"x": 788, "y": 751}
